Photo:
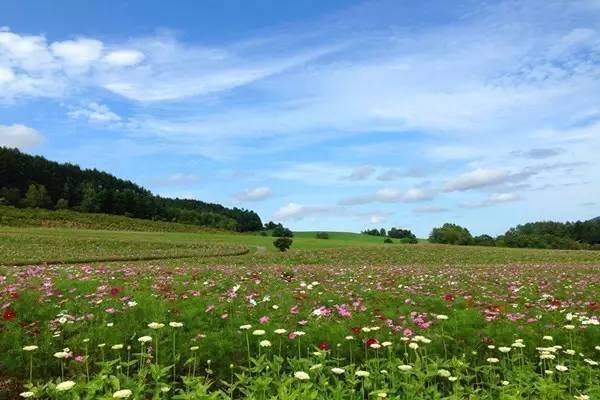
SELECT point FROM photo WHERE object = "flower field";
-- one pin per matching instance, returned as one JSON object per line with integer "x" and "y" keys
{"x": 268, "y": 328}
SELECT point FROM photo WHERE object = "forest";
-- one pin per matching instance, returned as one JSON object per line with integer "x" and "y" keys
{"x": 34, "y": 181}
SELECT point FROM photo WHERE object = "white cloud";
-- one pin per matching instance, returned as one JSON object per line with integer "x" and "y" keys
{"x": 123, "y": 58}
{"x": 377, "y": 219}
{"x": 19, "y": 136}
{"x": 295, "y": 211}
{"x": 79, "y": 53}
{"x": 492, "y": 199}
{"x": 256, "y": 194}
{"x": 478, "y": 178}
{"x": 360, "y": 173}
{"x": 94, "y": 113}
{"x": 389, "y": 195}
{"x": 430, "y": 209}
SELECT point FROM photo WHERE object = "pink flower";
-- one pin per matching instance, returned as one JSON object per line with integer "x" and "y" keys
{"x": 264, "y": 319}
{"x": 407, "y": 332}
{"x": 110, "y": 310}
{"x": 292, "y": 335}
{"x": 294, "y": 310}
{"x": 209, "y": 308}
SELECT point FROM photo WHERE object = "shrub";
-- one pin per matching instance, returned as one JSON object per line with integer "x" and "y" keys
{"x": 398, "y": 233}
{"x": 281, "y": 231}
{"x": 322, "y": 235}
{"x": 484, "y": 240}
{"x": 282, "y": 243}
{"x": 451, "y": 234}
{"x": 388, "y": 240}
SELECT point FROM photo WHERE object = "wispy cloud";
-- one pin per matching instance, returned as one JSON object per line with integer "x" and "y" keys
{"x": 256, "y": 194}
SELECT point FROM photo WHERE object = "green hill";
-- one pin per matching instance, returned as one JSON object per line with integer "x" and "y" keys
{"x": 35, "y": 182}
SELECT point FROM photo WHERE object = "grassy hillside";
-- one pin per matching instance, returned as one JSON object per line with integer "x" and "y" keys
{"x": 36, "y": 245}
{"x": 38, "y": 217}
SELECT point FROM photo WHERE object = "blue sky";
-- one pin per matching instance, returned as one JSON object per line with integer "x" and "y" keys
{"x": 338, "y": 115}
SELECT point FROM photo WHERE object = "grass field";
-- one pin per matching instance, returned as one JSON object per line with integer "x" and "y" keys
{"x": 342, "y": 318}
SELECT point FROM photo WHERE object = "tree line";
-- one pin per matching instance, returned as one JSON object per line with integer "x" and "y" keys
{"x": 34, "y": 181}
{"x": 544, "y": 235}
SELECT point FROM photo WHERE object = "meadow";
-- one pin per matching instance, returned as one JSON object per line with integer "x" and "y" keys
{"x": 226, "y": 316}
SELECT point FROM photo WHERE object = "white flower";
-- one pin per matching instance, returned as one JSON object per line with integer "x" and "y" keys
{"x": 386, "y": 344}
{"x": 30, "y": 348}
{"x": 504, "y": 349}
{"x": 413, "y": 346}
{"x": 375, "y": 346}
{"x": 280, "y": 331}
{"x": 404, "y": 367}
{"x": 101, "y": 345}
{"x": 591, "y": 362}
{"x": 122, "y": 394}
{"x": 132, "y": 303}
{"x": 258, "y": 332}
{"x": 66, "y": 385}
{"x": 303, "y": 376}
{"x": 245, "y": 327}
{"x": 569, "y": 327}
{"x": 582, "y": 397}
{"x": 505, "y": 383}
{"x": 492, "y": 360}
{"x": 569, "y": 352}
{"x": 338, "y": 371}
{"x": 175, "y": 324}
{"x": 144, "y": 339}
{"x": 26, "y": 394}
{"x": 444, "y": 373}
{"x": 547, "y": 338}
{"x": 349, "y": 337}
{"x": 362, "y": 374}
{"x": 117, "y": 347}
{"x": 299, "y": 333}
{"x": 265, "y": 343}
{"x": 382, "y": 394}
{"x": 316, "y": 366}
{"x": 561, "y": 368}
{"x": 61, "y": 354}
{"x": 155, "y": 325}
{"x": 442, "y": 317}
{"x": 452, "y": 378}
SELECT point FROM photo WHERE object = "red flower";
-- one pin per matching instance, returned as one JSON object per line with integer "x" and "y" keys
{"x": 114, "y": 291}
{"x": 370, "y": 342}
{"x": 555, "y": 302}
{"x": 448, "y": 297}
{"x": 9, "y": 314}
{"x": 356, "y": 330}
{"x": 324, "y": 346}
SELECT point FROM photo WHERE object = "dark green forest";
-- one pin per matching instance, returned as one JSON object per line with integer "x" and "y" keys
{"x": 34, "y": 181}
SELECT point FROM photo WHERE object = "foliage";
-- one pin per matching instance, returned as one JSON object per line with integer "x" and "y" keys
{"x": 283, "y": 243}
{"x": 281, "y": 231}
{"x": 342, "y": 329}
{"x": 388, "y": 241}
{"x": 399, "y": 233}
{"x": 484, "y": 240}
{"x": 33, "y": 181}
{"x": 375, "y": 232}
{"x": 322, "y": 235}
{"x": 451, "y": 234}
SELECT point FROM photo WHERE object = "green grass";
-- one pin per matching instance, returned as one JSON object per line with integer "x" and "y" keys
{"x": 35, "y": 245}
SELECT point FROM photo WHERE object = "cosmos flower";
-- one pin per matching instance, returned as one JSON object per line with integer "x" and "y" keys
{"x": 122, "y": 394}
{"x": 64, "y": 386}
{"x": 144, "y": 339}
{"x": 301, "y": 375}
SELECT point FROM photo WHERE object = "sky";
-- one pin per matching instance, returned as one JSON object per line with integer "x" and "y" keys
{"x": 322, "y": 115}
